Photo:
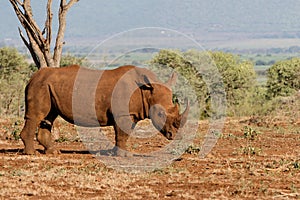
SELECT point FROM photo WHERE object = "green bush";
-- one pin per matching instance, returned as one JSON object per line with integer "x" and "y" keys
{"x": 14, "y": 74}
{"x": 238, "y": 76}
{"x": 167, "y": 60}
{"x": 69, "y": 59}
{"x": 239, "y": 79}
{"x": 283, "y": 78}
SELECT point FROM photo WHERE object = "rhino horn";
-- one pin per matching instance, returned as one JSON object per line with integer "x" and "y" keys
{"x": 172, "y": 80}
{"x": 184, "y": 115}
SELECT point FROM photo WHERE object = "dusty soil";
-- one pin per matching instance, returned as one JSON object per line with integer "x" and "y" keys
{"x": 254, "y": 158}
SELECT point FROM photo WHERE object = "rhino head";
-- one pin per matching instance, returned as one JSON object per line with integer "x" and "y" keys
{"x": 168, "y": 120}
{"x": 164, "y": 114}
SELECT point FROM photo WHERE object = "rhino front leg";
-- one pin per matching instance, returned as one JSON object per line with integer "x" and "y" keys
{"x": 121, "y": 138}
{"x": 123, "y": 128}
{"x": 27, "y": 135}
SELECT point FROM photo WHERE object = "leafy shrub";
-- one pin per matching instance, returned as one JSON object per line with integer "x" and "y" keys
{"x": 238, "y": 76}
{"x": 283, "y": 78}
{"x": 69, "y": 59}
{"x": 251, "y": 151}
{"x": 14, "y": 74}
{"x": 250, "y": 133}
{"x": 167, "y": 60}
{"x": 239, "y": 80}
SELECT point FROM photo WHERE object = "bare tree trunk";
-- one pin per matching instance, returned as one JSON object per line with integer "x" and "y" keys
{"x": 38, "y": 44}
{"x": 64, "y": 7}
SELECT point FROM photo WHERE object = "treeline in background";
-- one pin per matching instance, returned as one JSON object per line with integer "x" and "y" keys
{"x": 245, "y": 95}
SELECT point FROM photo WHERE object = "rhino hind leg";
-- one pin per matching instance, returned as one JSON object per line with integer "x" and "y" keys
{"x": 44, "y": 135}
{"x": 38, "y": 107}
{"x": 27, "y": 135}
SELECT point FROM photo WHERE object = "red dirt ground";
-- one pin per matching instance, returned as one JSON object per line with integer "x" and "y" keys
{"x": 254, "y": 158}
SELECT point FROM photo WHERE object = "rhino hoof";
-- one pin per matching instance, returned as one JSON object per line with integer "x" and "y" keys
{"x": 30, "y": 152}
{"x": 121, "y": 153}
{"x": 52, "y": 151}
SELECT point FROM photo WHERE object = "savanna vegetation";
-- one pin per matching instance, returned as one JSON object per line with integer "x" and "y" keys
{"x": 244, "y": 95}
{"x": 257, "y": 154}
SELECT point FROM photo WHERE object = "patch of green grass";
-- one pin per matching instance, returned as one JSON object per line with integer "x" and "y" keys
{"x": 16, "y": 129}
{"x": 193, "y": 149}
{"x": 16, "y": 172}
{"x": 296, "y": 165}
{"x": 251, "y": 150}
{"x": 294, "y": 189}
{"x": 62, "y": 139}
{"x": 250, "y": 133}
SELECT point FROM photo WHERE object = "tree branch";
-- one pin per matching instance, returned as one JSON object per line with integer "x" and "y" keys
{"x": 31, "y": 50}
{"x": 36, "y": 33}
{"x": 47, "y": 42}
{"x": 48, "y": 24}
{"x": 25, "y": 18}
{"x": 20, "y": 3}
{"x": 38, "y": 45}
{"x": 70, "y": 4}
{"x": 39, "y": 53}
{"x": 64, "y": 6}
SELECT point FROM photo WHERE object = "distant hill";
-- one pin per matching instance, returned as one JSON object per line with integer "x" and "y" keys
{"x": 94, "y": 18}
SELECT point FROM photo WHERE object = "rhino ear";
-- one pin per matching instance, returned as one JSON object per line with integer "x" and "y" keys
{"x": 172, "y": 80}
{"x": 144, "y": 82}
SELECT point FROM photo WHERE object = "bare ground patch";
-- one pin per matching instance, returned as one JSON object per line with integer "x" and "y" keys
{"x": 251, "y": 160}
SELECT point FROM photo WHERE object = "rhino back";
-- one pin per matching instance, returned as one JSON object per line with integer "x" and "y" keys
{"x": 50, "y": 87}
{"x": 80, "y": 94}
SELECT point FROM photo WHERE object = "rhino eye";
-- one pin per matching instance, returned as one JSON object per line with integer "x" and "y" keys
{"x": 161, "y": 114}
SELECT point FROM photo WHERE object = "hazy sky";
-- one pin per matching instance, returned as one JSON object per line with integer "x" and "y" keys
{"x": 96, "y": 17}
